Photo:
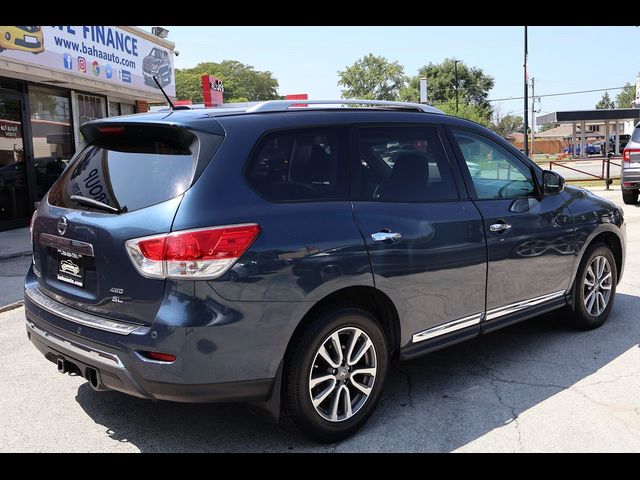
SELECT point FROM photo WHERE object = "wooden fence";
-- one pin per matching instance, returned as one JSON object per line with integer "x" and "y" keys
{"x": 543, "y": 146}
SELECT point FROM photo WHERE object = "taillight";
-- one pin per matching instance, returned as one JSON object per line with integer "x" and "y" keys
{"x": 630, "y": 155}
{"x": 158, "y": 356}
{"x": 204, "y": 253}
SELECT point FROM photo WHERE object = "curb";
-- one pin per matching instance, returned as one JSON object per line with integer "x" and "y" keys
{"x": 12, "y": 306}
{"x": 6, "y": 256}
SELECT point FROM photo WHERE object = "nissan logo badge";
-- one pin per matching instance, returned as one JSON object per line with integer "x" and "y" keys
{"x": 62, "y": 225}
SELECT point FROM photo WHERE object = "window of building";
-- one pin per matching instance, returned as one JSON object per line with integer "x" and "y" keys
{"x": 404, "y": 164}
{"x": 51, "y": 132}
{"x": 89, "y": 107}
{"x": 116, "y": 109}
{"x": 301, "y": 165}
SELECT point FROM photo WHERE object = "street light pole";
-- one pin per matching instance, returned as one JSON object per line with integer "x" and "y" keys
{"x": 526, "y": 100}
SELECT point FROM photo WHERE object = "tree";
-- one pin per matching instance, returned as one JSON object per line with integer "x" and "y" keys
{"x": 605, "y": 102}
{"x": 626, "y": 97}
{"x": 465, "y": 110}
{"x": 473, "y": 86}
{"x": 373, "y": 78}
{"x": 241, "y": 82}
{"x": 507, "y": 125}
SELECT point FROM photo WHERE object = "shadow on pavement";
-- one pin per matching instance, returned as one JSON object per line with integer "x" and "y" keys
{"x": 439, "y": 402}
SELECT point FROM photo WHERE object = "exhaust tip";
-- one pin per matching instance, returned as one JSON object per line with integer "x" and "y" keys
{"x": 93, "y": 377}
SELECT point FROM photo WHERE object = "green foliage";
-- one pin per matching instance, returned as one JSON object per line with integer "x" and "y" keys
{"x": 465, "y": 110}
{"x": 548, "y": 126}
{"x": 605, "y": 102}
{"x": 507, "y": 125}
{"x": 372, "y": 77}
{"x": 473, "y": 86}
{"x": 241, "y": 82}
{"x": 626, "y": 97}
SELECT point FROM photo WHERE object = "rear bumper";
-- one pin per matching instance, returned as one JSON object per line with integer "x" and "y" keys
{"x": 630, "y": 175}
{"x": 200, "y": 373}
{"x": 117, "y": 373}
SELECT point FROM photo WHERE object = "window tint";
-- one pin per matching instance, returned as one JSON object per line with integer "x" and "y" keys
{"x": 301, "y": 165}
{"x": 495, "y": 172}
{"x": 132, "y": 172}
{"x": 404, "y": 164}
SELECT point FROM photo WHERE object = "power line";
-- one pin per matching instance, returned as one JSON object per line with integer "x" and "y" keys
{"x": 557, "y": 94}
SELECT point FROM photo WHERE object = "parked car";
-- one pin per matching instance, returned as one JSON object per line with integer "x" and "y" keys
{"x": 345, "y": 261}
{"x": 630, "y": 169}
{"x": 25, "y": 39}
{"x": 592, "y": 149}
{"x": 624, "y": 139}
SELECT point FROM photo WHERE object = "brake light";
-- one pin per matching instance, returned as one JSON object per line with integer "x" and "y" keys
{"x": 204, "y": 253}
{"x": 111, "y": 130}
{"x": 629, "y": 155}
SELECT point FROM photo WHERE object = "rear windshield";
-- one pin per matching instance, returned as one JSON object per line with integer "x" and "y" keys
{"x": 635, "y": 136}
{"x": 128, "y": 172}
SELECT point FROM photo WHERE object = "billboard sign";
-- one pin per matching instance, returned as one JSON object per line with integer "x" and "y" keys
{"x": 108, "y": 54}
{"x": 212, "y": 91}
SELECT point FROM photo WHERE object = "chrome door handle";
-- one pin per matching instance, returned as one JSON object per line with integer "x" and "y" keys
{"x": 500, "y": 227}
{"x": 382, "y": 236}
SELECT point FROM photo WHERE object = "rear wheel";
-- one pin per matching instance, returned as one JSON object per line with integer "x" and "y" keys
{"x": 594, "y": 289}
{"x": 334, "y": 374}
{"x": 630, "y": 197}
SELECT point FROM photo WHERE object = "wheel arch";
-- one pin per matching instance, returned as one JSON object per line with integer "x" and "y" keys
{"x": 609, "y": 237}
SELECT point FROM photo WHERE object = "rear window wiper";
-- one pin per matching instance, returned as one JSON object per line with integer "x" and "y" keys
{"x": 90, "y": 202}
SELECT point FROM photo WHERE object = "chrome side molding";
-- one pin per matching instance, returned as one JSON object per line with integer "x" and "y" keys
{"x": 35, "y": 295}
{"x": 447, "y": 327}
{"x": 514, "y": 307}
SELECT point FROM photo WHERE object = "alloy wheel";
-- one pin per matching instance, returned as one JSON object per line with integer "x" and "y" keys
{"x": 342, "y": 374}
{"x": 597, "y": 286}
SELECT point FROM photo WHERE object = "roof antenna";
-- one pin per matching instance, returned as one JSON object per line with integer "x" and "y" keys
{"x": 171, "y": 105}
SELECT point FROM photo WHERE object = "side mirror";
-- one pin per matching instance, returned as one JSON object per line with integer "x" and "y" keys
{"x": 552, "y": 183}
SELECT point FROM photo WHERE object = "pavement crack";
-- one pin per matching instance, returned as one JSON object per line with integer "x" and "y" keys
{"x": 409, "y": 384}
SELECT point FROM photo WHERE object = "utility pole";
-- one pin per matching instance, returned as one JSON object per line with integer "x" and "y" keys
{"x": 526, "y": 92}
{"x": 455, "y": 69}
{"x": 533, "y": 114}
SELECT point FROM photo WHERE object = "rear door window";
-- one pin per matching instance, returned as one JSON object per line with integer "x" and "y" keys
{"x": 132, "y": 172}
{"x": 301, "y": 165}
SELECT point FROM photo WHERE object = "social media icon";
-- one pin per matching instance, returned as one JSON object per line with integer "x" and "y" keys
{"x": 95, "y": 68}
{"x": 68, "y": 61}
{"x": 108, "y": 71}
{"x": 126, "y": 76}
{"x": 82, "y": 64}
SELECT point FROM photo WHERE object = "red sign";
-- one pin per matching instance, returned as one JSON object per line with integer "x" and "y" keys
{"x": 212, "y": 90}
{"x": 298, "y": 96}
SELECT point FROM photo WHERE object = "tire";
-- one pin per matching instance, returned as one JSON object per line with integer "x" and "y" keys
{"x": 303, "y": 358}
{"x": 589, "y": 315}
{"x": 630, "y": 197}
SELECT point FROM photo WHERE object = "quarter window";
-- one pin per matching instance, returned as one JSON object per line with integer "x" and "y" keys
{"x": 404, "y": 164}
{"x": 495, "y": 172}
{"x": 301, "y": 165}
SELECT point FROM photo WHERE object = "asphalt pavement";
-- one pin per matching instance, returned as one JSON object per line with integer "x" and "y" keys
{"x": 533, "y": 387}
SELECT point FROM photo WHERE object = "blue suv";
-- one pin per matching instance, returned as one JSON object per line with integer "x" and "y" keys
{"x": 284, "y": 254}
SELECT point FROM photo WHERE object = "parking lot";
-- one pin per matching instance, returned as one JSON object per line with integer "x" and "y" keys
{"x": 534, "y": 387}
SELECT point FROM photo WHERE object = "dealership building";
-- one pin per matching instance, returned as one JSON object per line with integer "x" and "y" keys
{"x": 55, "y": 78}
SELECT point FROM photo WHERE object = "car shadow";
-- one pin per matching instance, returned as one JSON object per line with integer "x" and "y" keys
{"x": 438, "y": 402}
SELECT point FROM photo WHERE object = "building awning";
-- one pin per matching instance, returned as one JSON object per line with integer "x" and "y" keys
{"x": 602, "y": 115}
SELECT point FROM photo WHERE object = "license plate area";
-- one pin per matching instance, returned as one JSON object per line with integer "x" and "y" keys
{"x": 71, "y": 267}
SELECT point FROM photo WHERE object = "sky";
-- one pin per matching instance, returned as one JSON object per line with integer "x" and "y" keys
{"x": 307, "y": 59}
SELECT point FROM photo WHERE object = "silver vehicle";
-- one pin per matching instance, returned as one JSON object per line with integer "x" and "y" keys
{"x": 630, "y": 170}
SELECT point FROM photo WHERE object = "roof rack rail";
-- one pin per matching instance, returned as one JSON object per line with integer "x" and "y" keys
{"x": 284, "y": 105}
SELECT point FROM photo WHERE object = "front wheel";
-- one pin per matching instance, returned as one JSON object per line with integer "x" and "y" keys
{"x": 334, "y": 373}
{"x": 630, "y": 197}
{"x": 594, "y": 289}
